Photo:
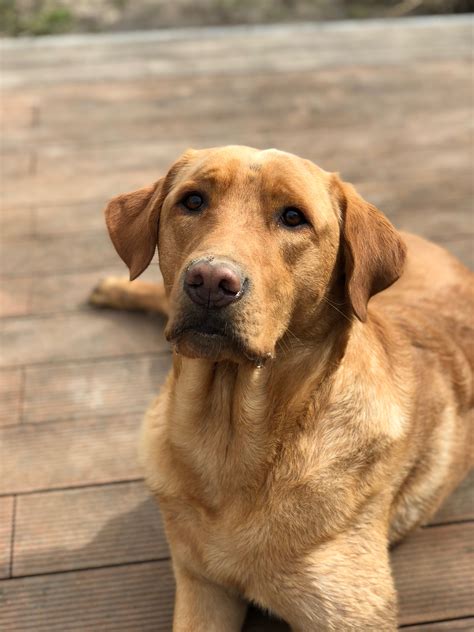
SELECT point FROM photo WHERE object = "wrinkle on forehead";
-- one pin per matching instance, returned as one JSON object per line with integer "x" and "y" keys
{"x": 240, "y": 156}
{"x": 286, "y": 175}
{"x": 217, "y": 170}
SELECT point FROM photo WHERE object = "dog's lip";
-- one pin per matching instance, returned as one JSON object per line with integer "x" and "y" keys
{"x": 203, "y": 329}
{"x": 210, "y": 332}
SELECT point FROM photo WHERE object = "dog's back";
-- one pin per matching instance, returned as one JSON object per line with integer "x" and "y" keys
{"x": 432, "y": 304}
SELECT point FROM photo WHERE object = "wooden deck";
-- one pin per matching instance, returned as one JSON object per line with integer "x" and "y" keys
{"x": 387, "y": 104}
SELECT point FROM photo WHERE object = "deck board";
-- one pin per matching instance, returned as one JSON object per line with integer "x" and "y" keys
{"x": 6, "y": 531}
{"x": 102, "y": 387}
{"x": 86, "y": 528}
{"x": 434, "y": 574}
{"x": 459, "y": 506}
{"x": 455, "y": 625}
{"x": 87, "y": 118}
{"x": 78, "y": 336}
{"x": 11, "y": 396}
{"x": 125, "y": 598}
{"x": 56, "y": 455}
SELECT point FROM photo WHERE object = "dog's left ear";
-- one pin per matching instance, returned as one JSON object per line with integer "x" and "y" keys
{"x": 132, "y": 221}
{"x": 373, "y": 251}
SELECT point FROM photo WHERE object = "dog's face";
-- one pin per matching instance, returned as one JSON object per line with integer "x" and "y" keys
{"x": 247, "y": 239}
{"x": 250, "y": 244}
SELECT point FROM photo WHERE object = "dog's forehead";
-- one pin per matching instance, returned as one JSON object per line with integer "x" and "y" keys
{"x": 224, "y": 164}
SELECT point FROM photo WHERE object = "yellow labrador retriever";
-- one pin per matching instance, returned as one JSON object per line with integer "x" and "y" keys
{"x": 302, "y": 428}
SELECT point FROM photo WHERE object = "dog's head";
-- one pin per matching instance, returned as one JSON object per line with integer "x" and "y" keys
{"x": 252, "y": 245}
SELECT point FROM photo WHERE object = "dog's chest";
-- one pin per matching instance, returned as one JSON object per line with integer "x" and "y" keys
{"x": 234, "y": 547}
{"x": 243, "y": 538}
{"x": 241, "y": 506}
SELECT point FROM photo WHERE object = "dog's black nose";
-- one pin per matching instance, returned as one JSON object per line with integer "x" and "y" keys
{"x": 213, "y": 283}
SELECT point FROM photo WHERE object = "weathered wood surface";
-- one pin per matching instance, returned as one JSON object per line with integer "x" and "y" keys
{"x": 387, "y": 104}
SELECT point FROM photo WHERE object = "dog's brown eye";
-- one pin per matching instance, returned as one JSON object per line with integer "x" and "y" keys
{"x": 293, "y": 217}
{"x": 193, "y": 202}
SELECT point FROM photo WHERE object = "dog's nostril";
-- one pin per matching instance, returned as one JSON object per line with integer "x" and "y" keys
{"x": 231, "y": 285}
{"x": 195, "y": 281}
{"x": 226, "y": 289}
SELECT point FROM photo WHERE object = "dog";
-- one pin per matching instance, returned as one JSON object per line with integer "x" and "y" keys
{"x": 302, "y": 429}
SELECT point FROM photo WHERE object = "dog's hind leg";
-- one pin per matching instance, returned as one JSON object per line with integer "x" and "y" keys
{"x": 120, "y": 293}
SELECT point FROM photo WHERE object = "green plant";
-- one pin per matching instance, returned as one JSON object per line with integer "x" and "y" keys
{"x": 51, "y": 21}
{"x": 43, "y": 18}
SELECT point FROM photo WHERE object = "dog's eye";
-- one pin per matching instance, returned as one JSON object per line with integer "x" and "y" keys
{"x": 292, "y": 217}
{"x": 193, "y": 202}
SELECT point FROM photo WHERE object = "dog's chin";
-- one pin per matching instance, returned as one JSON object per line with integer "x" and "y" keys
{"x": 212, "y": 344}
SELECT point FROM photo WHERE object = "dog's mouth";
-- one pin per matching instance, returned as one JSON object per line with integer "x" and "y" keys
{"x": 214, "y": 340}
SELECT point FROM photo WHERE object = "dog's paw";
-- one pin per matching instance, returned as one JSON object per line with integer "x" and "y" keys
{"x": 111, "y": 292}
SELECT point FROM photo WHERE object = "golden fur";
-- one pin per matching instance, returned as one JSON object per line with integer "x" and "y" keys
{"x": 286, "y": 464}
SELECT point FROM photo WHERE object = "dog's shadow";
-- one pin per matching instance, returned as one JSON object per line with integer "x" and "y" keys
{"x": 127, "y": 556}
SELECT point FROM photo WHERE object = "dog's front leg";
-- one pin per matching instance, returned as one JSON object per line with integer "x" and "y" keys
{"x": 201, "y": 606}
{"x": 344, "y": 585}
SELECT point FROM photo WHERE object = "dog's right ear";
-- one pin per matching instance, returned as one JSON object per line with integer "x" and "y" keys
{"x": 133, "y": 218}
{"x": 132, "y": 221}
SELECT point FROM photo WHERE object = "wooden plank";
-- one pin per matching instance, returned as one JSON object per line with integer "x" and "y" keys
{"x": 57, "y": 455}
{"x": 15, "y": 297}
{"x": 24, "y": 296}
{"x": 11, "y": 396}
{"x": 60, "y": 162}
{"x": 124, "y": 598}
{"x": 79, "y": 336}
{"x": 67, "y": 292}
{"x": 83, "y": 183}
{"x": 87, "y": 528}
{"x": 434, "y": 574}
{"x": 459, "y": 506}
{"x": 35, "y": 256}
{"x": 18, "y": 109}
{"x": 17, "y": 163}
{"x": 258, "y": 622}
{"x": 28, "y": 221}
{"x": 69, "y": 218}
{"x": 233, "y": 50}
{"x": 100, "y": 172}
{"x": 51, "y": 293}
{"x": 15, "y": 221}
{"x": 105, "y": 387}
{"x": 455, "y": 625}
{"x": 7, "y": 507}
{"x": 312, "y": 114}
{"x": 204, "y": 105}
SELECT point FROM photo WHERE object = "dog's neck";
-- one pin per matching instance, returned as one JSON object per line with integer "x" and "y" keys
{"x": 228, "y": 421}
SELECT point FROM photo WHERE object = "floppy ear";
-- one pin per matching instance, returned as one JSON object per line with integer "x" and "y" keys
{"x": 374, "y": 253}
{"x": 132, "y": 221}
